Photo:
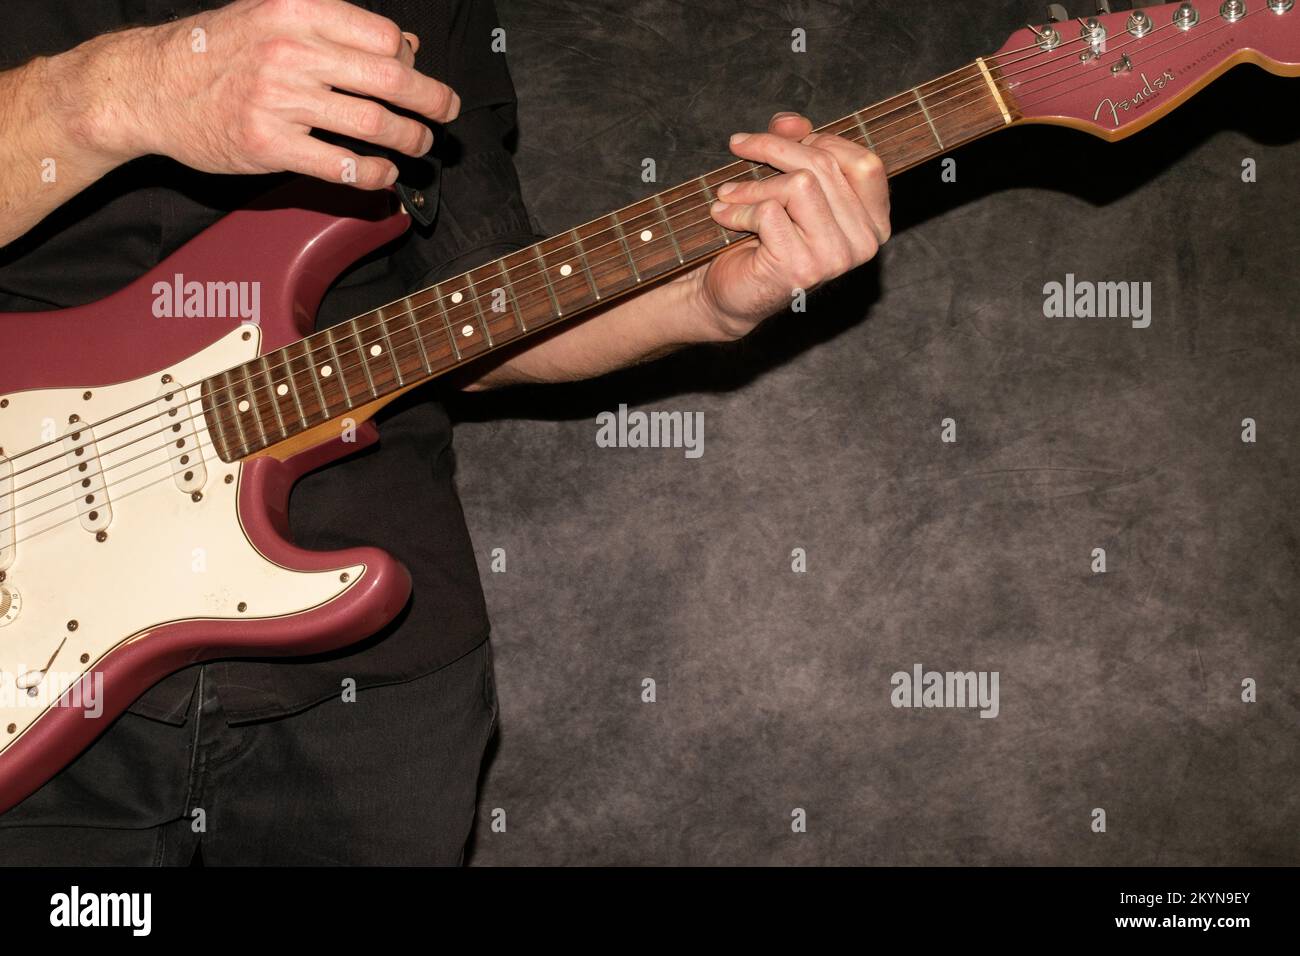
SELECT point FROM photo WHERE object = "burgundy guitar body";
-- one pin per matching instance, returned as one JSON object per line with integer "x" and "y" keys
{"x": 125, "y": 556}
{"x": 295, "y": 250}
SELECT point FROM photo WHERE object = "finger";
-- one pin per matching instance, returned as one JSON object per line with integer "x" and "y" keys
{"x": 387, "y": 79}
{"x": 800, "y": 195}
{"x": 780, "y": 241}
{"x": 790, "y": 125}
{"x": 866, "y": 176}
{"x": 406, "y": 55}
{"x": 413, "y": 40}
{"x": 351, "y": 26}
{"x": 788, "y": 156}
{"x": 303, "y": 154}
{"x": 367, "y": 120}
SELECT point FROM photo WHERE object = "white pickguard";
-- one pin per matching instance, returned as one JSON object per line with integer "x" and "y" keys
{"x": 163, "y": 557}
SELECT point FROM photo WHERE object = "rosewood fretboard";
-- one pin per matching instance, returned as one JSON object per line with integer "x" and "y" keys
{"x": 331, "y": 373}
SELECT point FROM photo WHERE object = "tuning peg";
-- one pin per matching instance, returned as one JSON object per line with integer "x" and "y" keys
{"x": 1056, "y": 13}
{"x": 1103, "y": 7}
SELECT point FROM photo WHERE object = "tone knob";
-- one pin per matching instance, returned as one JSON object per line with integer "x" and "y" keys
{"x": 1186, "y": 17}
{"x": 10, "y": 604}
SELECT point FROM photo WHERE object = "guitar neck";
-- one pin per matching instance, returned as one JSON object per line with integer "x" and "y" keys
{"x": 354, "y": 366}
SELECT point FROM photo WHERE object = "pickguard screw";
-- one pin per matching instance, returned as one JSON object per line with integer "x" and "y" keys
{"x": 72, "y": 420}
{"x": 230, "y": 479}
{"x": 72, "y": 625}
{"x": 246, "y": 336}
{"x": 85, "y": 658}
{"x": 11, "y": 728}
{"x": 242, "y": 607}
{"x": 85, "y": 396}
{"x": 4, "y": 403}
{"x": 344, "y": 577}
{"x": 101, "y": 536}
{"x": 166, "y": 380}
{"x": 198, "y": 495}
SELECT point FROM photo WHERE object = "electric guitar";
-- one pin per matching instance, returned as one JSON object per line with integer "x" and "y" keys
{"x": 133, "y": 446}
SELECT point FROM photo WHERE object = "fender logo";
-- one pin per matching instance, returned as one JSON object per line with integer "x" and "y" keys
{"x": 1150, "y": 89}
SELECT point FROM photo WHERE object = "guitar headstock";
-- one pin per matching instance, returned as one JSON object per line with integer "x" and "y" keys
{"x": 1113, "y": 74}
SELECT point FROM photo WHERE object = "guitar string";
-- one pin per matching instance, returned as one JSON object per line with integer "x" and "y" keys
{"x": 1191, "y": 37}
{"x": 414, "y": 328}
{"x": 254, "y": 391}
{"x": 972, "y": 80}
{"x": 331, "y": 347}
{"x": 473, "y": 306}
{"x": 184, "y": 389}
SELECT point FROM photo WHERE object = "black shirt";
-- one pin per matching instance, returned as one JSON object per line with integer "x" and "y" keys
{"x": 398, "y": 495}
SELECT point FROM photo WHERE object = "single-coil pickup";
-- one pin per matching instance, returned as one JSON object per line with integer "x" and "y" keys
{"x": 7, "y": 508}
{"x": 177, "y": 410}
{"x": 88, "y": 488}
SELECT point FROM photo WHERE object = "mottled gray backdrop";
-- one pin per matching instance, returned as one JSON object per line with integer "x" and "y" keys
{"x": 822, "y": 431}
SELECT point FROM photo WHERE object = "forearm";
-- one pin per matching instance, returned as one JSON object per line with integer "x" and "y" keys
{"x": 50, "y": 109}
{"x": 645, "y": 326}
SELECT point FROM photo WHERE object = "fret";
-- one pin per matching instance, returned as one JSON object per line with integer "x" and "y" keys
{"x": 364, "y": 355}
{"x": 921, "y": 103}
{"x": 754, "y": 174}
{"x": 464, "y": 337}
{"x": 478, "y": 308}
{"x": 712, "y": 198}
{"x": 271, "y": 391}
{"x": 862, "y": 128}
{"x": 214, "y": 417}
{"x": 654, "y": 256}
{"x": 338, "y": 367}
{"x": 249, "y": 404}
{"x": 234, "y": 412}
{"x": 388, "y": 346}
{"x": 310, "y": 364}
{"x": 293, "y": 384}
{"x": 419, "y": 336}
{"x": 586, "y": 266}
{"x": 510, "y": 292}
{"x": 446, "y": 322}
{"x": 627, "y": 251}
{"x": 550, "y": 289}
{"x": 659, "y": 204}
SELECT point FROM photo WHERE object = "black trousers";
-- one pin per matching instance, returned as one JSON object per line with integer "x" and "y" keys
{"x": 391, "y": 778}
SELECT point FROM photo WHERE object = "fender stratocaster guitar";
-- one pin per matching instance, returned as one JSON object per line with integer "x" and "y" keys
{"x": 127, "y": 441}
